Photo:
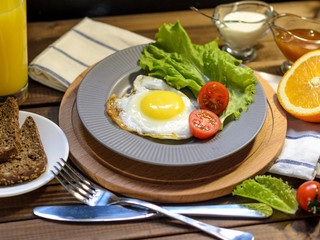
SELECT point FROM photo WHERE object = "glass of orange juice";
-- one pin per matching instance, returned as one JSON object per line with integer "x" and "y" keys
{"x": 295, "y": 36}
{"x": 13, "y": 50}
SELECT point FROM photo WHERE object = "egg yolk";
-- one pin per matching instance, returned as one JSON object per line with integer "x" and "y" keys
{"x": 162, "y": 104}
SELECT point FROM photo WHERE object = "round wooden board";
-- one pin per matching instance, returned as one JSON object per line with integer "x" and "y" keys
{"x": 172, "y": 184}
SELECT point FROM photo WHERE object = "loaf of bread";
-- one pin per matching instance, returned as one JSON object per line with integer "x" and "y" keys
{"x": 9, "y": 129}
{"x": 30, "y": 161}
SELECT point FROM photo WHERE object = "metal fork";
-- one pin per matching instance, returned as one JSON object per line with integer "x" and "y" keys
{"x": 84, "y": 190}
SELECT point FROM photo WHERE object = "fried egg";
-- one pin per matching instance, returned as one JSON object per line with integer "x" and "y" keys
{"x": 153, "y": 109}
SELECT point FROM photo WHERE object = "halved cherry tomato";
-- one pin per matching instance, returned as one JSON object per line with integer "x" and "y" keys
{"x": 213, "y": 96}
{"x": 308, "y": 196}
{"x": 203, "y": 123}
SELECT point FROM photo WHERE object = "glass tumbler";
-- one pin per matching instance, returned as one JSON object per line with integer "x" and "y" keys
{"x": 13, "y": 50}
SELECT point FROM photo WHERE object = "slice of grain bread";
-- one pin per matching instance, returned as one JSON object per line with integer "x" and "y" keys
{"x": 30, "y": 161}
{"x": 9, "y": 129}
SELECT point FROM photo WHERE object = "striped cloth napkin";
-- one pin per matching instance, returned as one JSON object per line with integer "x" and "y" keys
{"x": 301, "y": 151}
{"x": 300, "y": 156}
{"x": 84, "y": 45}
{"x": 90, "y": 41}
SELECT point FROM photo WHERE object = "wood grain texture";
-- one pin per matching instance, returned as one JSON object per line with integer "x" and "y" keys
{"x": 200, "y": 29}
{"x": 172, "y": 184}
{"x": 159, "y": 229}
{"x": 16, "y": 218}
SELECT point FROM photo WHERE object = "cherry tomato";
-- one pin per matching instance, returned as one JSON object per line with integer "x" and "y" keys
{"x": 203, "y": 123}
{"x": 213, "y": 96}
{"x": 308, "y": 196}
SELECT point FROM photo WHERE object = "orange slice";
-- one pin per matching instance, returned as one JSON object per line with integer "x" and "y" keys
{"x": 299, "y": 89}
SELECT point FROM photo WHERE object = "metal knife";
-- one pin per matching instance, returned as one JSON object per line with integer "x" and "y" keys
{"x": 110, "y": 213}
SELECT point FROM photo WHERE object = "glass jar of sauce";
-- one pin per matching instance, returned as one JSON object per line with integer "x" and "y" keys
{"x": 295, "y": 36}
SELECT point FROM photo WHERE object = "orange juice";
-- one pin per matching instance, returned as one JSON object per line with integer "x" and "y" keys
{"x": 13, "y": 46}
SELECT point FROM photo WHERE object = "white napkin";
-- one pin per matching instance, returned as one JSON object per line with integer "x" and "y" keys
{"x": 91, "y": 41}
{"x": 300, "y": 155}
{"x": 84, "y": 45}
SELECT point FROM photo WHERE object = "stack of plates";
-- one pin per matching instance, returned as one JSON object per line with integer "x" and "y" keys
{"x": 155, "y": 169}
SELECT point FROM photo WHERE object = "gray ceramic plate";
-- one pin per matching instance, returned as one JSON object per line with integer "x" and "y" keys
{"x": 115, "y": 74}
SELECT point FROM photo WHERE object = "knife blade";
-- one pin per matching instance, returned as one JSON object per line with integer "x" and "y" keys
{"x": 110, "y": 213}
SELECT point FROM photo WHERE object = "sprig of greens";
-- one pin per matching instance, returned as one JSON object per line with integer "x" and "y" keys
{"x": 269, "y": 190}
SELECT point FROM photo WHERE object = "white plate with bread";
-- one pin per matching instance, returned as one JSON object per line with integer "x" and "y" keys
{"x": 54, "y": 144}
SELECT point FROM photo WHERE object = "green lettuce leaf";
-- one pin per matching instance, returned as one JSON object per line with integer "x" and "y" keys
{"x": 269, "y": 190}
{"x": 182, "y": 64}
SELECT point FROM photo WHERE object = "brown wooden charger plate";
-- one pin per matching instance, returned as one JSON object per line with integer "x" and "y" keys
{"x": 172, "y": 184}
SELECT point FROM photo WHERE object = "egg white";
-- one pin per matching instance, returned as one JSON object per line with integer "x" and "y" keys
{"x": 126, "y": 111}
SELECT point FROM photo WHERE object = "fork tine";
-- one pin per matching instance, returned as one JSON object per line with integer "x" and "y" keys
{"x": 74, "y": 182}
{"x": 78, "y": 175}
{"x": 70, "y": 188}
{"x": 73, "y": 187}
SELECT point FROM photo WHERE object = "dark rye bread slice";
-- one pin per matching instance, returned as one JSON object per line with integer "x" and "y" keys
{"x": 30, "y": 161}
{"x": 9, "y": 129}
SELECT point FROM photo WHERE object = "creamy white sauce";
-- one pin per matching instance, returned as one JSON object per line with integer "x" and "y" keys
{"x": 242, "y": 34}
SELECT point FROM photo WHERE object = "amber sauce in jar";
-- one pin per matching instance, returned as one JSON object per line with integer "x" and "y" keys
{"x": 293, "y": 47}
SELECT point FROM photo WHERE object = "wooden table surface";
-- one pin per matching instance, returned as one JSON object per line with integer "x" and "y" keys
{"x": 17, "y": 220}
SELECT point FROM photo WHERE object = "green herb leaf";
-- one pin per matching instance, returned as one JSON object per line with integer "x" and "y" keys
{"x": 269, "y": 190}
{"x": 262, "y": 208}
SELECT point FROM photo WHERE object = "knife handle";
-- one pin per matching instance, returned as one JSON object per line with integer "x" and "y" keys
{"x": 221, "y": 233}
{"x": 251, "y": 210}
